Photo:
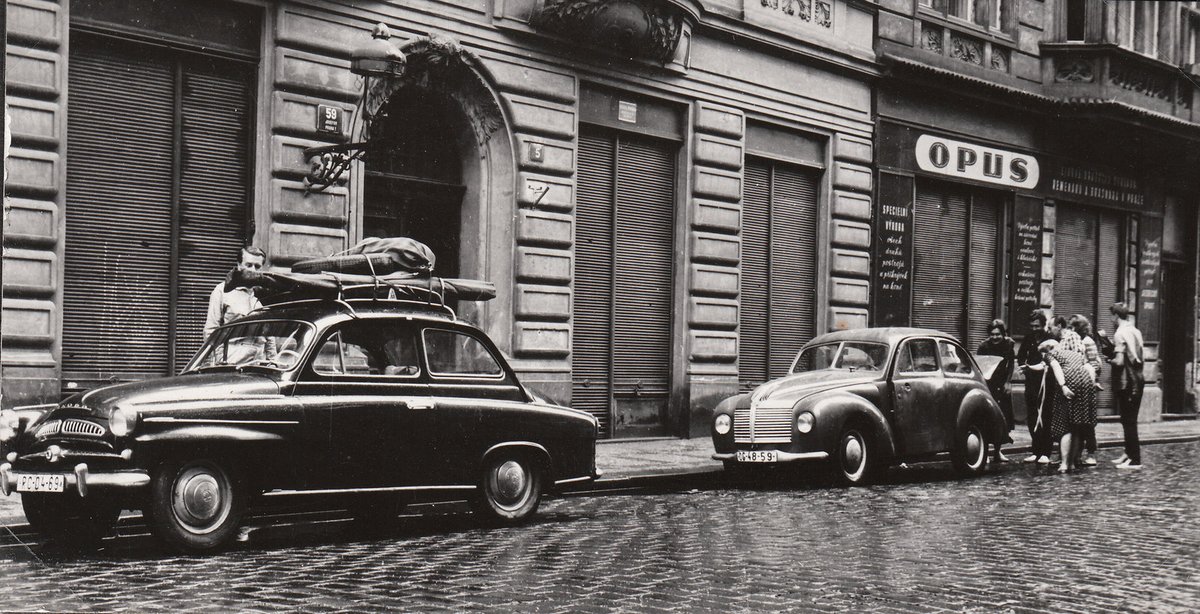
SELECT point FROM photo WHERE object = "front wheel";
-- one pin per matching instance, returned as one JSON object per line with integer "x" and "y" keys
{"x": 69, "y": 518}
{"x": 970, "y": 454}
{"x": 854, "y": 460}
{"x": 510, "y": 488}
{"x": 195, "y": 506}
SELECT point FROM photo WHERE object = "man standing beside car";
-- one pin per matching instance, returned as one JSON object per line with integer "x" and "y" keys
{"x": 226, "y": 304}
{"x": 1038, "y": 407}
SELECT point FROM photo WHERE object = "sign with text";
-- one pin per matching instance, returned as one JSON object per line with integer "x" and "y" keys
{"x": 329, "y": 119}
{"x": 961, "y": 160}
{"x": 893, "y": 245}
{"x": 1095, "y": 185}
{"x": 1149, "y": 318}
{"x": 1027, "y": 261}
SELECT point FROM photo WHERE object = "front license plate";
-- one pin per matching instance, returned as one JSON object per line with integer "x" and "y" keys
{"x": 34, "y": 482}
{"x": 757, "y": 456}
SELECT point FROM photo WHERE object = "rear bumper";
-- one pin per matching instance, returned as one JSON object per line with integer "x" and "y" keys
{"x": 80, "y": 479}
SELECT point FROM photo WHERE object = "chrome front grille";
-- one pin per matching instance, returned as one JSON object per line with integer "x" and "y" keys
{"x": 762, "y": 424}
{"x": 82, "y": 427}
{"x": 50, "y": 428}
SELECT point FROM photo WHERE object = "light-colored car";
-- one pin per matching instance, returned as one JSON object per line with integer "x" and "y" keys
{"x": 862, "y": 400}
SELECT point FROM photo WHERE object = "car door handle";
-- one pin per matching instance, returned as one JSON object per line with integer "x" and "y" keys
{"x": 907, "y": 387}
{"x": 420, "y": 404}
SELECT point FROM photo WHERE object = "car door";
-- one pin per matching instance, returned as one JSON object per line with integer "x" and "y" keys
{"x": 961, "y": 378}
{"x": 475, "y": 405}
{"x": 367, "y": 375}
{"x": 917, "y": 383}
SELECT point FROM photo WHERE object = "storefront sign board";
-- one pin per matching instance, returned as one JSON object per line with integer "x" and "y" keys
{"x": 1149, "y": 318}
{"x": 1027, "y": 260}
{"x": 962, "y": 160}
{"x": 894, "y": 245}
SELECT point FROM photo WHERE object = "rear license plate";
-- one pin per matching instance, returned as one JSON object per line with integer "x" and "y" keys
{"x": 34, "y": 482}
{"x": 757, "y": 456}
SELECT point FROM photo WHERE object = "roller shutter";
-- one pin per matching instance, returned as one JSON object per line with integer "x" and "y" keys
{"x": 156, "y": 204}
{"x": 1088, "y": 281}
{"x": 621, "y": 346}
{"x": 958, "y": 240}
{"x": 778, "y": 274}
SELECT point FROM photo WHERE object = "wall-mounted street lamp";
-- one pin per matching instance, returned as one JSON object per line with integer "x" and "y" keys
{"x": 375, "y": 61}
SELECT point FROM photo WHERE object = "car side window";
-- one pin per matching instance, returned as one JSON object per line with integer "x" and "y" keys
{"x": 954, "y": 359}
{"x": 452, "y": 353}
{"x": 371, "y": 348}
{"x": 917, "y": 356}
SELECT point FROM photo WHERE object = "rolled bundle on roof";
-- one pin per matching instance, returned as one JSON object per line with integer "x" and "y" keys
{"x": 274, "y": 287}
{"x": 374, "y": 256}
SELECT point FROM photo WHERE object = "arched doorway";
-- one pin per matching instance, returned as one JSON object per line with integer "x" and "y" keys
{"x": 414, "y": 177}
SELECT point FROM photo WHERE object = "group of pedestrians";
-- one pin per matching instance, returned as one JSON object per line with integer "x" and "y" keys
{"x": 1061, "y": 359}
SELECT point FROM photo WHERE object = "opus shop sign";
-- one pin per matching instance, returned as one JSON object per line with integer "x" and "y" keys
{"x": 969, "y": 161}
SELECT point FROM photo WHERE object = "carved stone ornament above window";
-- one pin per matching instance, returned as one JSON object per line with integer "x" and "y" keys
{"x": 966, "y": 49}
{"x": 931, "y": 37}
{"x": 638, "y": 28}
{"x": 1078, "y": 71}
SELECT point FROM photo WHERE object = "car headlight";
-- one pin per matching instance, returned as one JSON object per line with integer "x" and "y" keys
{"x": 722, "y": 424}
{"x": 805, "y": 422}
{"x": 10, "y": 423}
{"x": 122, "y": 422}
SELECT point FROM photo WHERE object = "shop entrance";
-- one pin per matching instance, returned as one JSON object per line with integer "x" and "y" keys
{"x": 1178, "y": 292}
{"x": 414, "y": 186}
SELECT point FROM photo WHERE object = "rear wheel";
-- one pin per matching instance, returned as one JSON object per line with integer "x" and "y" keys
{"x": 855, "y": 462}
{"x": 970, "y": 453}
{"x": 195, "y": 506}
{"x": 510, "y": 488}
{"x": 69, "y": 518}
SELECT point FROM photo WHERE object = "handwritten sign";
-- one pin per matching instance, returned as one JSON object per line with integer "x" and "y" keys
{"x": 894, "y": 242}
{"x": 1149, "y": 318}
{"x": 1027, "y": 260}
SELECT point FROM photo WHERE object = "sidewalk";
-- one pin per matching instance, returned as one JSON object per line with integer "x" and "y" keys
{"x": 624, "y": 461}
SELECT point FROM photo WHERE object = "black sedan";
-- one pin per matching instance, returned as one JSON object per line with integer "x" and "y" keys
{"x": 860, "y": 400}
{"x": 379, "y": 400}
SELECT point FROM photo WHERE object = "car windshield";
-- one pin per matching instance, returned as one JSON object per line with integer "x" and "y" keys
{"x": 270, "y": 344}
{"x": 848, "y": 355}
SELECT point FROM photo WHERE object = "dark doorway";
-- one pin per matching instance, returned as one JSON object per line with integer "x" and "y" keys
{"x": 414, "y": 177}
{"x": 1178, "y": 296}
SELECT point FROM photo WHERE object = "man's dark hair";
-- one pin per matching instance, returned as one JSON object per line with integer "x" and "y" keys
{"x": 1121, "y": 310}
{"x": 1060, "y": 321}
{"x": 1038, "y": 315}
{"x": 255, "y": 250}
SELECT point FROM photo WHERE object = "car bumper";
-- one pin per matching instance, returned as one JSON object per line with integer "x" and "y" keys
{"x": 80, "y": 479}
{"x": 781, "y": 457}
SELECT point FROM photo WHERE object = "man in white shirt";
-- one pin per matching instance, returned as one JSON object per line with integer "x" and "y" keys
{"x": 1128, "y": 360}
{"x": 226, "y": 306}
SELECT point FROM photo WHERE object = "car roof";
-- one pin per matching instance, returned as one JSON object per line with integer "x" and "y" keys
{"x": 889, "y": 335}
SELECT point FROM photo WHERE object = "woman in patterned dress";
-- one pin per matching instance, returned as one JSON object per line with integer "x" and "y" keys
{"x": 1074, "y": 387}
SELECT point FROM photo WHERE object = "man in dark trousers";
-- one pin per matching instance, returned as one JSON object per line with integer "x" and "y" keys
{"x": 1129, "y": 382}
{"x": 1039, "y": 408}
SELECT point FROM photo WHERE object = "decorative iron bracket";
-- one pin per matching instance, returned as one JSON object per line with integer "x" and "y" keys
{"x": 328, "y": 163}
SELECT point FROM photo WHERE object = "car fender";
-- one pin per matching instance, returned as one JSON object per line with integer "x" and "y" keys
{"x": 834, "y": 409}
{"x": 729, "y": 404}
{"x": 979, "y": 402}
{"x": 531, "y": 447}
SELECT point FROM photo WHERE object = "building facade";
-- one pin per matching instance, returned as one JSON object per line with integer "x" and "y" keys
{"x": 1042, "y": 155}
{"x": 670, "y": 195}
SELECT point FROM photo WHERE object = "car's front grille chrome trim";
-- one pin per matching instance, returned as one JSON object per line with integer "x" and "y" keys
{"x": 75, "y": 426}
{"x": 50, "y": 428}
{"x": 759, "y": 424}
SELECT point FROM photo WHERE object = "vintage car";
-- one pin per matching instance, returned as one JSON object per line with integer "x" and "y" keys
{"x": 861, "y": 400}
{"x": 382, "y": 400}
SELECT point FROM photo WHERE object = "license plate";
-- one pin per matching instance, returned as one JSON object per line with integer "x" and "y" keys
{"x": 34, "y": 482}
{"x": 758, "y": 456}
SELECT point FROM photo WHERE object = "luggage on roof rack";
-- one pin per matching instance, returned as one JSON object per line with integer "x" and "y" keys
{"x": 374, "y": 256}
{"x": 276, "y": 288}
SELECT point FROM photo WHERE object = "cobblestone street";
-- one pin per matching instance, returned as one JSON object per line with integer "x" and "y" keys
{"x": 1020, "y": 539}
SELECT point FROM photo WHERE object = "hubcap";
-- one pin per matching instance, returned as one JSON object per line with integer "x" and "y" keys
{"x": 510, "y": 483}
{"x": 853, "y": 455}
{"x": 974, "y": 447}
{"x": 200, "y": 499}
